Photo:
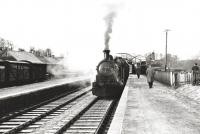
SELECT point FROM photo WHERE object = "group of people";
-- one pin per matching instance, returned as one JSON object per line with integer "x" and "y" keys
{"x": 150, "y": 74}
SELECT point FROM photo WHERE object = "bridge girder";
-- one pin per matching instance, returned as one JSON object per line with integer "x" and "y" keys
{"x": 132, "y": 58}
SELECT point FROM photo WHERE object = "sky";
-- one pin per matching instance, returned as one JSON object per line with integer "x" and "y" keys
{"x": 76, "y": 28}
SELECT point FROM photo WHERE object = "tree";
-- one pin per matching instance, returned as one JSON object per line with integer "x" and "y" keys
{"x": 40, "y": 52}
{"x": 48, "y": 52}
{"x": 172, "y": 60}
{"x": 2, "y": 44}
{"x": 6, "y": 44}
{"x": 32, "y": 50}
{"x": 9, "y": 44}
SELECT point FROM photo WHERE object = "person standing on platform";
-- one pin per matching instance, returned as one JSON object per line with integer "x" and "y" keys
{"x": 195, "y": 70}
{"x": 138, "y": 70}
{"x": 150, "y": 76}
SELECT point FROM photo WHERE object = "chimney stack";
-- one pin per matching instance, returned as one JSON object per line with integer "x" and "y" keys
{"x": 106, "y": 54}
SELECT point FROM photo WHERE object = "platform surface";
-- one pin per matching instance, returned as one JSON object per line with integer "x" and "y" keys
{"x": 17, "y": 90}
{"x": 157, "y": 110}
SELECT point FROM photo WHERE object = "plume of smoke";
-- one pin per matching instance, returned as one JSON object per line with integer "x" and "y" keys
{"x": 75, "y": 66}
{"x": 109, "y": 23}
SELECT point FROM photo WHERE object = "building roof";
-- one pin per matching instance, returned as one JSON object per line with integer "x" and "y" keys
{"x": 23, "y": 56}
{"x": 43, "y": 59}
{"x": 26, "y": 56}
{"x": 48, "y": 60}
{"x": 52, "y": 60}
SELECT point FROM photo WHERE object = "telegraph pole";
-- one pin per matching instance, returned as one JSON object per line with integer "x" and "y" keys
{"x": 166, "y": 31}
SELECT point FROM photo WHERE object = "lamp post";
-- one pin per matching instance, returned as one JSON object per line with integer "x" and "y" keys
{"x": 166, "y": 31}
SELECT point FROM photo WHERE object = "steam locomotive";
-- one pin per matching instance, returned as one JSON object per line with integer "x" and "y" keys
{"x": 111, "y": 78}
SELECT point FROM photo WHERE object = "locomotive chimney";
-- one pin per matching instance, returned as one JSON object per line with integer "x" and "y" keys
{"x": 106, "y": 54}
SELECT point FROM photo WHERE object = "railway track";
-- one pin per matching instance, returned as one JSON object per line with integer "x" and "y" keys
{"x": 94, "y": 120}
{"x": 79, "y": 112}
{"x": 111, "y": 116}
{"x": 89, "y": 117}
{"x": 42, "y": 112}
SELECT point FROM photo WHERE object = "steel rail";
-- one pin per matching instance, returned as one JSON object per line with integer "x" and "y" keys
{"x": 17, "y": 113}
{"x": 35, "y": 117}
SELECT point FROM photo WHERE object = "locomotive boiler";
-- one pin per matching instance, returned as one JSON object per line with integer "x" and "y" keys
{"x": 111, "y": 77}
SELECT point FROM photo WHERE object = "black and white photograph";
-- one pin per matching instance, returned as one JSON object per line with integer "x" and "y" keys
{"x": 99, "y": 67}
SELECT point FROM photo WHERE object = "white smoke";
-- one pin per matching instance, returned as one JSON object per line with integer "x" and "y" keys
{"x": 77, "y": 65}
{"x": 109, "y": 19}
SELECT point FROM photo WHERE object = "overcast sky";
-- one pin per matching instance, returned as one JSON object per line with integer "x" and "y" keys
{"x": 77, "y": 27}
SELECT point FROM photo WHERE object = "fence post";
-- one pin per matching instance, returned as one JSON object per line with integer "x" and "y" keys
{"x": 175, "y": 79}
{"x": 171, "y": 78}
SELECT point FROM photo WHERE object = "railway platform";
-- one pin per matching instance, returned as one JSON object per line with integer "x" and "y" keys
{"x": 34, "y": 87}
{"x": 16, "y": 97}
{"x": 157, "y": 110}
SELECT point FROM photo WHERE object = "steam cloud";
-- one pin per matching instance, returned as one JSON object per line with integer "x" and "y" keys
{"x": 109, "y": 23}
